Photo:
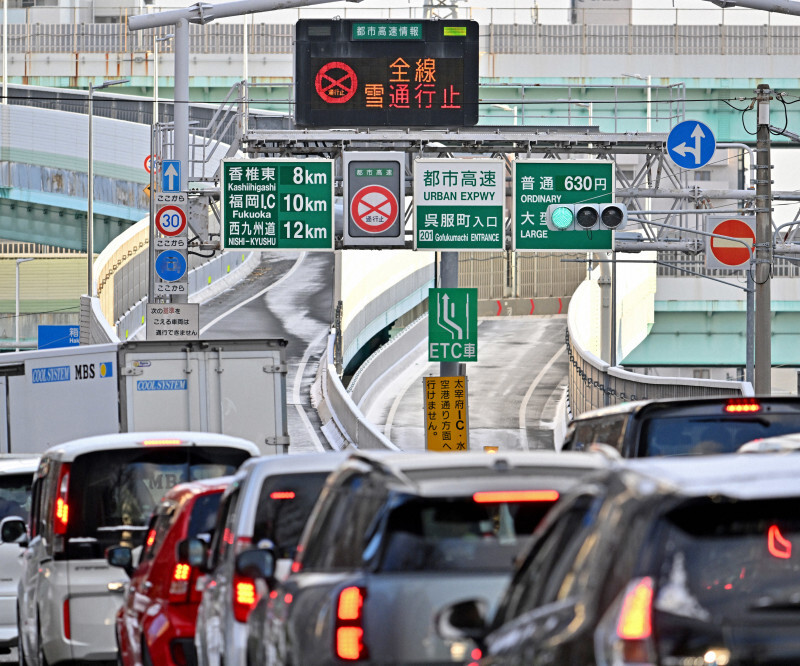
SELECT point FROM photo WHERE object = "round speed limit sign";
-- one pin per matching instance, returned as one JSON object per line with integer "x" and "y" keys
{"x": 171, "y": 220}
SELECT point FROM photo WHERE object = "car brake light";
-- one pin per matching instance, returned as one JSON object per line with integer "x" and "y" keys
{"x": 624, "y": 636}
{"x": 179, "y": 585}
{"x": 349, "y": 633}
{"x": 162, "y": 442}
{"x": 497, "y": 496}
{"x": 742, "y": 406}
{"x": 778, "y": 545}
{"x": 67, "y": 626}
{"x": 634, "y": 618}
{"x": 61, "y": 507}
{"x": 151, "y": 538}
{"x": 245, "y": 597}
{"x": 282, "y": 495}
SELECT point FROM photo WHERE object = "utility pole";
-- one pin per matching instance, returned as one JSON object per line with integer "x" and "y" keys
{"x": 763, "y": 261}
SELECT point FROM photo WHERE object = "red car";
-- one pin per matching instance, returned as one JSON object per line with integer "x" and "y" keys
{"x": 156, "y": 622}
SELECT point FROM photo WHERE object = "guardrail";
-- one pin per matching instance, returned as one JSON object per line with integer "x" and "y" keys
{"x": 593, "y": 383}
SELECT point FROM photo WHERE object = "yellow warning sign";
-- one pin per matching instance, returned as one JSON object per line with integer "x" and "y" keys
{"x": 446, "y": 413}
{"x": 147, "y": 190}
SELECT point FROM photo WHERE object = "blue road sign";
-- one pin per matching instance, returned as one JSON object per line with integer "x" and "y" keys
{"x": 171, "y": 176}
{"x": 170, "y": 265}
{"x": 691, "y": 144}
{"x": 50, "y": 337}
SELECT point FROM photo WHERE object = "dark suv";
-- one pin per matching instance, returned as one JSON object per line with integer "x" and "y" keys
{"x": 660, "y": 561}
{"x": 684, "y": 426}
{"x": 393, "y": 537}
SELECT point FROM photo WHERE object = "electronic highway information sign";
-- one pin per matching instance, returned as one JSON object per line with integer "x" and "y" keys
{"x": 354, "y": 73}
{"x": 277, "y": 204}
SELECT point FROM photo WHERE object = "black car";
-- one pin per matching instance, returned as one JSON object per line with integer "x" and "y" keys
{"x": 683, "y": 426}
{"x": 391, "y": 539}
{"x": 662, "y": 562}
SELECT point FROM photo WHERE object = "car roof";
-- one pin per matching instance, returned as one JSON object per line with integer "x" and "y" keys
{"x": 68, "y": 451}
{"x": 642, "y": 406}
{"x": 437, "y": 474}
{"x": 294, "y": 464}
{"x": 763, "y": 476}
{"x": 18, "y": 463}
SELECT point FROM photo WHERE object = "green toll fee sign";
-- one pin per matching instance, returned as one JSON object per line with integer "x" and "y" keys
{"x": 277, "y": 204}
{"x": 539, "y": 183}
{"x": 459, "y": 204}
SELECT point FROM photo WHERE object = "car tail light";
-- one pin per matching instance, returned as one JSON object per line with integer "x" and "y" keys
{"x": 61, "y": 508}
{"x": 245, "y": 597}
{"x": 179, "y": 585}
{"x": 497, "y": 496}
{"x": 162, "y": 442}
{"x": 67, "y": 625}
{"x": 282, "y": 495}
{"x": 742, "y": 406}
{"x": 625, "y": 634}
{"x": 349, "y": 633}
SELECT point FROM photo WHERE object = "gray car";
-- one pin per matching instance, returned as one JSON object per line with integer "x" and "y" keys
{"x": 267, "y": 504}
{"x": 394, "y": 537}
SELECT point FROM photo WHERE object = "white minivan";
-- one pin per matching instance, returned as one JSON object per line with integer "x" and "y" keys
{"x": 88, "y": 495}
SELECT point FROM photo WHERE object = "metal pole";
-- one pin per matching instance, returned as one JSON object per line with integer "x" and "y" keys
{"x": 5, "y": 53}
{"x": 449, "y": 279}
{"x": 90, "y": 203}
{"x": 763, "y": 315}
{"x": 16, "y": 311}
{"x": 612, "y": 352}
{"x": 750, "y": 327}
{"x": 151, "y": 250}
{"x": 155, "y": 90}
{"x": 181, "y": 101}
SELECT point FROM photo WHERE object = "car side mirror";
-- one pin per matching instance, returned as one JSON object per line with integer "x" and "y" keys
{"x": 463, "y": 620}
{"x": 122, "y": 557}
{"x": 13, "y": 530}
{"x": 257, "y": 563}
{"x": 192, "y": 552}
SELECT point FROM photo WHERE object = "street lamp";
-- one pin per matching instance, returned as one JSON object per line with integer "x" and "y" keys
{"x": 90, "y": 193}
{"x": 647, "y": 79}
{"x": 16, "y": 319}
{"x": 156, "y": 40}
{"x": 507, "y": 107}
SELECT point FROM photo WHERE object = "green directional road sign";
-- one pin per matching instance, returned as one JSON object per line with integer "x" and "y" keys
{"x": 539, "y": 183}
{"x": 277, "y": 204}
{"x": 452, "y": 325}
{"x": 459, "y": 204}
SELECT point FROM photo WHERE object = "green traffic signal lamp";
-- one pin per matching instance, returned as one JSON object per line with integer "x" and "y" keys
{"x": 562, "y": 217}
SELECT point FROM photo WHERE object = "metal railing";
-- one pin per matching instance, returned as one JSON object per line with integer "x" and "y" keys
{"x": 496, "y": 38}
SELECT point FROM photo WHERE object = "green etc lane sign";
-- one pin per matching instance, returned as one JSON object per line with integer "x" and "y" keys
{"x": 277, "y": 204}
{"x": 453, "y": 325}
{"x": 540, "y": 183}
{"x": 459, "y": 204}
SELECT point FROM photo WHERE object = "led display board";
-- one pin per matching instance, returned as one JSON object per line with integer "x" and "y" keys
{"x": 355, "y": 73}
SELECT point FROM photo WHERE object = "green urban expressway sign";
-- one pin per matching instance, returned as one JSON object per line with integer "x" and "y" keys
{"x": 539, "y": 183}
{"x": 459, "y": 204}
{"x": 277, "y": 204}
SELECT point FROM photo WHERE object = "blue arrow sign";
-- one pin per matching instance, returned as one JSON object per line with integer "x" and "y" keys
{"x": 170, "y": 265}
{"x": 691, "y": 144}
{"x": 171, "y": 176}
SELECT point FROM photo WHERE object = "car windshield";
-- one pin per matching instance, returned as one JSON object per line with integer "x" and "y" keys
{"x": 284, "y": 505}
{"x": 443, "y": 534}
{"x": 726, "y": 559}
{"x": 682, "y": 435}
{"x": 15, "y": 495}
{"x": 113, "y": 493}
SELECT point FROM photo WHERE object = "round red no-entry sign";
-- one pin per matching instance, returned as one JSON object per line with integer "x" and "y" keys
{"x": 336, "y": 82}
{"x": 374, "y": 209}
{"x": 732, "y": 253}
{"x": 171, "y": 220}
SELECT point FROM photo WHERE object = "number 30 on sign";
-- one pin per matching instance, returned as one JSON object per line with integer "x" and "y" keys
{"x": 171, "y": 220}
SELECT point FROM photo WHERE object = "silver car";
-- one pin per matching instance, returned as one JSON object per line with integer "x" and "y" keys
{"x": 395, "y": 537}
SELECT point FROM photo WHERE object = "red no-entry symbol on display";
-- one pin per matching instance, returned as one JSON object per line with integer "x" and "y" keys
{"x": 336, "y": 82}
{"x": 171, "y": 220}
{"x": 733, "y": 253}
{"x": 374, "y": 209}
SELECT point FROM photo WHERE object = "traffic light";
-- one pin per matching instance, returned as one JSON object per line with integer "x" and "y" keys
{"x": 587, "y": 217}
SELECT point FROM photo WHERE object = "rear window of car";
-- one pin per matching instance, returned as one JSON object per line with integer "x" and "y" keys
{"x": 682, "y": 435}
{"x": 460, "y": 534}
{"x": 726, "y": 559}
{"x": 15, "y": 495}
{"x": 284, "y": 506}
{"x": 113, "y": 493}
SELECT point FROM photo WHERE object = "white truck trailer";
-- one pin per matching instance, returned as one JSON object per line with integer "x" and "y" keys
{"x": 233, "y": 387}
